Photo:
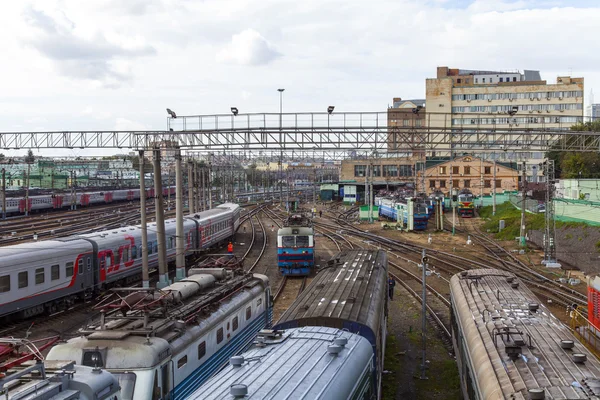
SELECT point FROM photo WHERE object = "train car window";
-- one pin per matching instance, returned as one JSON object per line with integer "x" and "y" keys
{"x": 89, "y": 264}
{"x": 133, "y": 252}
{"x": 69, "y": 269}
{"x": 80, "y": 266}
{"x": 118, "y": 258}
{"x": 171, "y": 242}
{"x": 181, "y": 362}
{"x": 258, "y": 302}
{"x": 4, "y": 283}
{"x": 248, "y": 312}
{"x": 39, "y": 276}
{"x": 149, "y": 248}
{"x": 23, "y": 279}
{"x": 288, "y": 241}
{"x": 219, "y": 335}
{"x": 155, "y": 245}
{"x": 302, "y": 241}
{"x": 54, "y": 272}
{"x": 126, "y": 254}
{"x": 201, "y": 350}
{"x": 234, "y": 324}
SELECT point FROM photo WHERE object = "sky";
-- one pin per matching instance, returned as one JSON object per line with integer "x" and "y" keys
{"x": 118, "y": 64}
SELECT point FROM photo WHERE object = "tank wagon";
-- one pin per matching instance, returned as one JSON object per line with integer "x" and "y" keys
{"x": 349, "y": 294}
{"x": 317, "y": 363}
{"x": 50, "y": 275}
{"x": 509, "y": 346}
{"x": 296, "y": 245}
{"x": 163, "y": 344}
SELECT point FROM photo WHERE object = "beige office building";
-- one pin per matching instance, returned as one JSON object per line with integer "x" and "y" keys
{"x": 485, "y": 100}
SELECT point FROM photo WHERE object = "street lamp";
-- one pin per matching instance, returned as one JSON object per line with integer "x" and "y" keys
{"x": 329, "y": 112}
{"x": 280, "y": 142}
{"x": 171, "y": 113}
{"x": 234, "y": 110}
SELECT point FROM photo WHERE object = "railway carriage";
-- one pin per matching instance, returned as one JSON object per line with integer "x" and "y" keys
{"x": 350, "y": 294}
{"x": 399, "y": 211}
{"x": 191, "y": 329}
{"x": 59, "y": 272}
{"x": 327, "y": 364}
{"x": 295, "y": 246}
{"x": 508, "y": 345}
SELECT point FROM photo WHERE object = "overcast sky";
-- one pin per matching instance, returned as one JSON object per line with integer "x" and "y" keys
{"x": 117, "y": 64}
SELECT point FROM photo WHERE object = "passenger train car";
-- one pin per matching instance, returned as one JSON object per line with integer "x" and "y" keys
{"x": 48, "y": 276}
{"x": 349, "y": 294}
{"x": 18, "y": 206}
{"x": 316, "y": 363}
{"x": 466, "y": 204}
{"x": 165, "y": 344}
{"x": 296, "y": 245}
{"x": 508, "y": 345}
{"x": 399, "y": 211}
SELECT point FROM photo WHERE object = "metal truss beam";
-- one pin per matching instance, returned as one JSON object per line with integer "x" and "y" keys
{"x": 348, "y": 133}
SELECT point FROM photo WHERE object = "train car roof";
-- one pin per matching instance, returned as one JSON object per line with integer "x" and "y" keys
{"x": 347, "y": 294}
{"x": 298, "y": 364}
{"x": 497, "y": 320}
{"x": 288, "y": 230}
{"x": 50, "y": 248}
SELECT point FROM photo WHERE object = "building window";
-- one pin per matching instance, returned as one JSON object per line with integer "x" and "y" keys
{"x": 54, "y": 272}
{"x": 467, "y": 183}
{"x": 467, "y": 170}
{"x": 491, "y": 80}
{"x": 487, "y": 184}
{"x": 500, "y": 79}
{"x": 458, "y": 80}
{"x": 406, "y": 170}
{"x": 483, "y": 80}
{"x": 442, "y": 170}
{"x": 390, "y": 170}
{"x": 360, "y": 170}
{"x": 455, "y": 170}
{"x": 455, "y": 183}
{"x": 234, "y": 324}
{"x": 514, "y": 78}
{"x": 201, "y": 350}
{"x": 39, "y": 276}
{"x": 4, "y": 283}
{"x": 487, "y": 170}
{"x": 467, "y": 80}
{"x": 219, "y": 335}
{"x": 432, "y": 183}
{"x": 376, "y": 170}
{"x": 405, "y": 122}
{"x": 476, "y": 80}
{"x": 69, "y": 269}
{"x": 23, "y": 279}
{"x": 419, "y": 123}
{"x": 248, "y": 312}
{"x": 498, "y": 183}
{"x": 181, "y": 362}
{"x": 442, "y": 184}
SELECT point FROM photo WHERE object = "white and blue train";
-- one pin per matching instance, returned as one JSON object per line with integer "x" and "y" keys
{"x": 48, "y": 276}
{"x": 165, "y": 344}
{"x": 411, "y": 214}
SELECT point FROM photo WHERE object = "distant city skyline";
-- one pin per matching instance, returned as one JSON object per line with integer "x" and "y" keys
{"x": 114, "y": 65}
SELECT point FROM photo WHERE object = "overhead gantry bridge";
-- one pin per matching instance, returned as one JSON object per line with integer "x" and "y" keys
{"x": 332, "y": 136}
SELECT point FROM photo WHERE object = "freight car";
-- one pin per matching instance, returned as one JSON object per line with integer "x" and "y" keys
{"x": 48, "y": 276}
{"x": 508, "y": 345}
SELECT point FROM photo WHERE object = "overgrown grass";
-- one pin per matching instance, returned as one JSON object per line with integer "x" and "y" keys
{"x": 512, "y": 221}
{"x": 391, "y": 364}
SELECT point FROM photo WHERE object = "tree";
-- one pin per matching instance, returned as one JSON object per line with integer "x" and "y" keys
{"x": 29, "y": 158}
{"x": 569, "y": 164}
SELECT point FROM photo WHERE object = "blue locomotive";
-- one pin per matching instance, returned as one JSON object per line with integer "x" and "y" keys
{"x": 393, "y": 209}
{"x": 295, "y": 246}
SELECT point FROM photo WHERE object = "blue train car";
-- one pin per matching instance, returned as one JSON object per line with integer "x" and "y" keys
{"x": 391, "y": 209}
{"x": 295, "y": 246}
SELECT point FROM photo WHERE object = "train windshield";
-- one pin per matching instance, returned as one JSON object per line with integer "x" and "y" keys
{"x": 127, "y": 383}
{"x": 421, "y": 208}
{"x": 302, "y": 241}
{"x": 288, "y": 241}
{"x": 465, "y": 197}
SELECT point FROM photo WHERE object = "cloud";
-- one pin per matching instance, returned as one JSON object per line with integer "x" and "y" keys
{"x": 91, "y": 58}
{"x": 124, "y": 124}
{"x": 248, "y": 48}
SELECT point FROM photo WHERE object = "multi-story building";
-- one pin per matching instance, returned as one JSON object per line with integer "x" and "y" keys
{"x": 386, "y": 171}
{"x": 468, "y": 172}
{"x": 486, "y": 100}
{"x": 406, "y": 120}
{"x": 593, "y": 112}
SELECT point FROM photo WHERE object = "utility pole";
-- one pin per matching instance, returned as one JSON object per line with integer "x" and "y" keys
{"x": 481, "y": 181}
{"x": 452, "y": 201}
{"x": 550, "y": 228}
{"x": 143, "y": 224}
{"x": 168, "y": 187}
{"x": 179, "y": 234}
{"x": 371, "y": 194}
{"x": 190, "y": 187}
{"x": 494, "y": 188}
{"x": 523, "y": 203}
{"x": 159, "y": 204}
{"x": 209, "y": 182}
{"x": 3, "y": 193}
{"x": 27, "y": 190}
{"x": 424, "y": 260}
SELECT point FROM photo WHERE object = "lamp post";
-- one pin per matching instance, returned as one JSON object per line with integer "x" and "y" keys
{"x": 280, "y": 165}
